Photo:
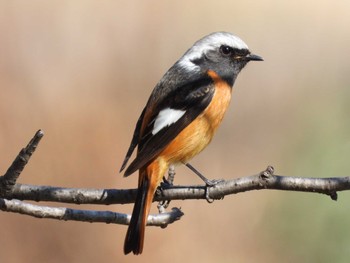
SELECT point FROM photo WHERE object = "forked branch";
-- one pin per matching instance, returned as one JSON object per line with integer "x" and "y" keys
{"x": 11, "y": 193}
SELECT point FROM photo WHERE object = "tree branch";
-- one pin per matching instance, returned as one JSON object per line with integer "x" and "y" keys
{"x": 66, "y": 214}
{"x": 263, "y": 180}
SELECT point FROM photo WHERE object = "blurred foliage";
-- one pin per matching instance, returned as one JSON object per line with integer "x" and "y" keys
{"x": 309, "y": 227}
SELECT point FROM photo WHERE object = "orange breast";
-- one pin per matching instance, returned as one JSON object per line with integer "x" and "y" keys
{"x": 197, "y": 135}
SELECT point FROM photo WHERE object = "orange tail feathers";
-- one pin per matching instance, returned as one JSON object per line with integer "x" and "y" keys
{"x": 149, "y": 179}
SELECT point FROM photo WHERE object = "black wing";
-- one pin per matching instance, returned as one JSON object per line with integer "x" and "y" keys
{"x": 192, "y": 98}
{"x": 134, "y": 140}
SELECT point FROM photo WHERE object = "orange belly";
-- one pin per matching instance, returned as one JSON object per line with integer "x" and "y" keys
{"x": 198, "y": 134}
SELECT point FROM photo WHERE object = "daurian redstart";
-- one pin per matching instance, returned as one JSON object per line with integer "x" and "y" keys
{"x": 180, "y": 118}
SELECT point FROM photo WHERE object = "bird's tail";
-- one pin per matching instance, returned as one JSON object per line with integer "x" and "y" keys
{"x": 136, "y": 230}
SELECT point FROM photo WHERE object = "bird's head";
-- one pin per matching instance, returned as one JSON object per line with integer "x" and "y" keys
{"x": 221, "y": 52}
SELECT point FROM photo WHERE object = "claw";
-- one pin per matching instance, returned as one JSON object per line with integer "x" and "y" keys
{"x": 165, "y": 184}
{"x": 162, "y": 206}
{"x": 207, "y": 197}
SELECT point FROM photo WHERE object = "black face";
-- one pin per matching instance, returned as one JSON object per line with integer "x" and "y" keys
{"x": 226, "y": 61}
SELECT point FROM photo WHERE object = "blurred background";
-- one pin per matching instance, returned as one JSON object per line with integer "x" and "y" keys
{"x": 83, "y": 70}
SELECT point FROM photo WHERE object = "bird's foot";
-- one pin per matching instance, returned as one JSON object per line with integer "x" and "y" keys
{"x": 208, "y": 183}
{"x": 166, "y": 184}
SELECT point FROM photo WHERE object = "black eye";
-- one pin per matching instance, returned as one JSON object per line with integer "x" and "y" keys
{"x": 226, "y": 50}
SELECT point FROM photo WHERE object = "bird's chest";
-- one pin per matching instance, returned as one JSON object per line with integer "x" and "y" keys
{"x": 215, "y": 111}
{"x": 195, "y": 137}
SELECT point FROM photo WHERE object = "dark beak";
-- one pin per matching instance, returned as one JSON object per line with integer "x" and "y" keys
{"x": 253, "y": 57}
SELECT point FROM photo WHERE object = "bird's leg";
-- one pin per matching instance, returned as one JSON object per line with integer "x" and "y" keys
{"x": 201, "y": 176}
{"x": 167, "y": 182}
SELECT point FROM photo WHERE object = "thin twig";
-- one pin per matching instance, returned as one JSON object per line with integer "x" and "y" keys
{"x": 66, "y": 214}
{"x": 8, "y": 180}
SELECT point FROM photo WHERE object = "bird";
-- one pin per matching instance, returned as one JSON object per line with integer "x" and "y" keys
{"x": 181, "y": 117}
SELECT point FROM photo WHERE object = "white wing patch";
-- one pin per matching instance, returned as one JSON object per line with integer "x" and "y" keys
{"x": 165, "y": 118}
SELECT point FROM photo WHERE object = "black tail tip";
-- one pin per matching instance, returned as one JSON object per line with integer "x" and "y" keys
{"x": 129, "y": 248}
